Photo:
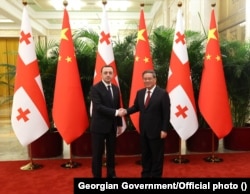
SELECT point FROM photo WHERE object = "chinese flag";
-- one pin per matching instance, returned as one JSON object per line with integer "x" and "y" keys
{"x": 183, "y": 115}
{"x": 213, "y": 98}
{"x": 142, "y": 62}
{"x": 29, "y": 116}
{"x": 69, "y": 109}
{"x": 105, "y": 56}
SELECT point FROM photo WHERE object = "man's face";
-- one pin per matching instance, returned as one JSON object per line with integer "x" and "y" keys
{"x": 149, "y": 80}
{"x": 107, "y": 74}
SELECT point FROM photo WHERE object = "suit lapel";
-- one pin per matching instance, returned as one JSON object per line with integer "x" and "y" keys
{"x": 107, "y": 95}
{"x": 152, "y": 98}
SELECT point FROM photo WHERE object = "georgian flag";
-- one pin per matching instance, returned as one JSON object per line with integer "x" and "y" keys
{"x": 29, "y": 117}
{"x": 105, "y": 56}
{"x": 183, "y": 115}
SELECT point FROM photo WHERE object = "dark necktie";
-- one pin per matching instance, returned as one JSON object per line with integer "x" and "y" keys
{"x": 110, "y": 92}
{"x": 147, "y": 99}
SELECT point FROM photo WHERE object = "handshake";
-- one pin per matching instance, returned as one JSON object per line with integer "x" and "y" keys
{"x": 122, "y": 112}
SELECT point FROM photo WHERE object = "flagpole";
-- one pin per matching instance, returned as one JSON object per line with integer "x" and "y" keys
{"x": 220, "y": 105}
{"x": 180, "y": 159}
{"x": 213, "y": 158}
{"x": 70, "y": 163}
{"x": 58, "y": 112}
{"x": 31, "y": 165}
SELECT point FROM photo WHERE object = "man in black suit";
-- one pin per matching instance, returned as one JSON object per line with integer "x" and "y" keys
{"x": 104, "y": 122}
{"x": 154, "y": 122}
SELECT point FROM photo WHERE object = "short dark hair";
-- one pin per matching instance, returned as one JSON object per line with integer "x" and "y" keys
{"x": 149, "y": 71}
{"x": 106, "y": 66}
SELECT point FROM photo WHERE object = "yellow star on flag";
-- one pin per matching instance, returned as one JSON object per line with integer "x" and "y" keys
{"x": 146, "y": 60}
{"x": 211, "y": 34}
{"x": 68, "y": 59}
{"x": 63, "y": 34}
{"x": 208, "y": 57}
{"x": 218, "y": 58}
{"x": 140, "y": 35}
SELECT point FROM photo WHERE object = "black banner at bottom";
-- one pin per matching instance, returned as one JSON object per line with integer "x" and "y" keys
{"x": 138, "y": 185}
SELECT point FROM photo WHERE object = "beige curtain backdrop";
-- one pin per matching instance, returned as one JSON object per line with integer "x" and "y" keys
{"x": 8, "y": 55}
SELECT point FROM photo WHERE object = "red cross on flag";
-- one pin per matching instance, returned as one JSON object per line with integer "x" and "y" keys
{"x": 29, "y": 117}
{"x": 69, "y": 109}
{"x": 183, "y": 115}
{"x": 142, "y": 62}
{"x": 105, "y": 56}
{"x": 213, "y": 98}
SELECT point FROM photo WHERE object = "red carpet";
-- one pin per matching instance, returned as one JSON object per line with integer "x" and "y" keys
{"x": 53, "y": 178}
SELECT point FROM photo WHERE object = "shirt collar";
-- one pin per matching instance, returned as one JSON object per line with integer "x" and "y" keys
{"x": 106, "y": 84}
{"x": 151, "y": 90}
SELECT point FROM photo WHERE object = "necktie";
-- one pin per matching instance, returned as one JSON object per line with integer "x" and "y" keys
{"x": 147, "y": 99}
{"x": 110, "y": 92}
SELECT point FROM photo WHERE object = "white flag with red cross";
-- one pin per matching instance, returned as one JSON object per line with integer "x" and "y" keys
{"x": 105, "y": 56}
{"x": 183, "y": 115}
{"x": 29, "y": 116}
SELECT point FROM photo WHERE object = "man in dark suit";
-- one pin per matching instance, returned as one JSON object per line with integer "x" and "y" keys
{"x": 154, "y": 122}
{"x": 104, "y": 122}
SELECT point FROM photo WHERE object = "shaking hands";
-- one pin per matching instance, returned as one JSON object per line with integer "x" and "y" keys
{"x": 122, "y": 112}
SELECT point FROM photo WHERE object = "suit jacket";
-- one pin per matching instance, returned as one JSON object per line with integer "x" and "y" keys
{"x": 156, "y": 116}
{"x": 103, "y": 109}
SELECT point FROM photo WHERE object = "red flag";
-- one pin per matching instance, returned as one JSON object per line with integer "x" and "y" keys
{"x": 183, "y": 115}
{"x": 69, "y": 109}
{"x": 105, "y": 56}
{"x": 142, "y": 62}
{"x": 29, "y": 115}
{"x": 213, "y": 98}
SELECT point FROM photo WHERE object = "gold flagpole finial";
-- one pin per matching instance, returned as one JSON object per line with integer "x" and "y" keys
{"x": 104, "y": 2}
{"x": 25, "y": 2}
{"x": 179, "y": 4}
{"x": 65, "y": 3}
{"x": 213, "y": 4}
